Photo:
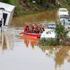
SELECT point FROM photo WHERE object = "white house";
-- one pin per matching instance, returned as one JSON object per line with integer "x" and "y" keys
{"x": 6, "y": 12}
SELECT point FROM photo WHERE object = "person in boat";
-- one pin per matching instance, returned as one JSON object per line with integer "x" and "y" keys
{"x": 41, "y": 28}
{"x": 30, "y": 29}
{"x": 26, "y": 28}
{"x": 35, "y": 28}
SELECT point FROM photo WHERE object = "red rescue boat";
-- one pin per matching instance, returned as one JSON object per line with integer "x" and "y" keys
{"x": 32, "y": 34}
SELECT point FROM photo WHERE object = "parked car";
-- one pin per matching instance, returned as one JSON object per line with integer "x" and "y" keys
{"x": 63, "y": 13}
{"x": 51, "y": 26}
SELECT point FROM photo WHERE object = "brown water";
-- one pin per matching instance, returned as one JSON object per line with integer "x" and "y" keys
{"x": 18, "y": 53}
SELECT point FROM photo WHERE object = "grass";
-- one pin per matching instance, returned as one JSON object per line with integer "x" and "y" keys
{"x": 13, "y": 1}
{"x": 30, "y": 16}
{"x": 34, "y": 18}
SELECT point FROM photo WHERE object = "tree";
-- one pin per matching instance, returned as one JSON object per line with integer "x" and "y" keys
{"x": 61, "y": 33}
{"x": 5, "y": 1}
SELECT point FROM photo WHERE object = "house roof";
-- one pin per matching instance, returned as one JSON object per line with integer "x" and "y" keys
{"x": 6, "y": 7}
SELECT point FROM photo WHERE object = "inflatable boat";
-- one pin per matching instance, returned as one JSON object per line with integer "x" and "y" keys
{"x": 31, "y": 34}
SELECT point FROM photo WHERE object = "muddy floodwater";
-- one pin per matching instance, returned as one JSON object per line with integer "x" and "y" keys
{"x": 22, "y": 53}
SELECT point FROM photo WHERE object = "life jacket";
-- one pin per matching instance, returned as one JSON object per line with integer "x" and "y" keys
{"x": 36, "y": 30}
{"x": 26, "y": 28}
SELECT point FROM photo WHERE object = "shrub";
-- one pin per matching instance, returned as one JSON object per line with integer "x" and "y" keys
{"x": 5, "y": 1}
{"x": 51, "y": 42}
{"x": 48, "y": 42}
{"x": 61, "y": 33}
{"x": 43, "y": 42}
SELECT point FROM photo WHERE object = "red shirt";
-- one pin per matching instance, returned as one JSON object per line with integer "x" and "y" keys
{"x": 26, "y": 28}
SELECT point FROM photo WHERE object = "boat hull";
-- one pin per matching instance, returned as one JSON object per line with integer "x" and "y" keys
{"x": 31, "y": 34}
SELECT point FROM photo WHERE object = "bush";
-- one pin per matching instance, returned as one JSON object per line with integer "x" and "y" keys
{"x": 48, "y": 42}
{"x": 51, "y": 42}
{"x": 61, "y": 33}
{"x": 43, "y": 42}
{"x": 5, "y": 1}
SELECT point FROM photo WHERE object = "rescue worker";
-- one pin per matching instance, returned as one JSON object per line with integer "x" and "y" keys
{"x": 26, "y": 28}
{"x": 35, "y": 28}
{"x": 41, "y": 28}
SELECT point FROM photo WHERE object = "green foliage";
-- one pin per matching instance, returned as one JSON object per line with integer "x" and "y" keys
{"x": 48, "y": 42}
{"x": 43, "y": 42}
{"x": 61, "y": 36}
{"x": 51, "y": 42}
{"x": 5, "y": 1}
{"x": 25, "y": 7}
{"x": 61, "y": 33}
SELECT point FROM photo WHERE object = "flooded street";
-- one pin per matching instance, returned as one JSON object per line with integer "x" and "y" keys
{"x": 18, "y": 53}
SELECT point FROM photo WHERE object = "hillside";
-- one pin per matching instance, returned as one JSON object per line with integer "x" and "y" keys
{"x": 35, "y": 11}
{"x": 29, "y": 7}
{"x": 25, "y": 7}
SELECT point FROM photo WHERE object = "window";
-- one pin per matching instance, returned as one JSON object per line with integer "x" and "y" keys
{"x": 5, "y": 17}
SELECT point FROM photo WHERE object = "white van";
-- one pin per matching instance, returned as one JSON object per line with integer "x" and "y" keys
{"x": 63, "y": 13}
